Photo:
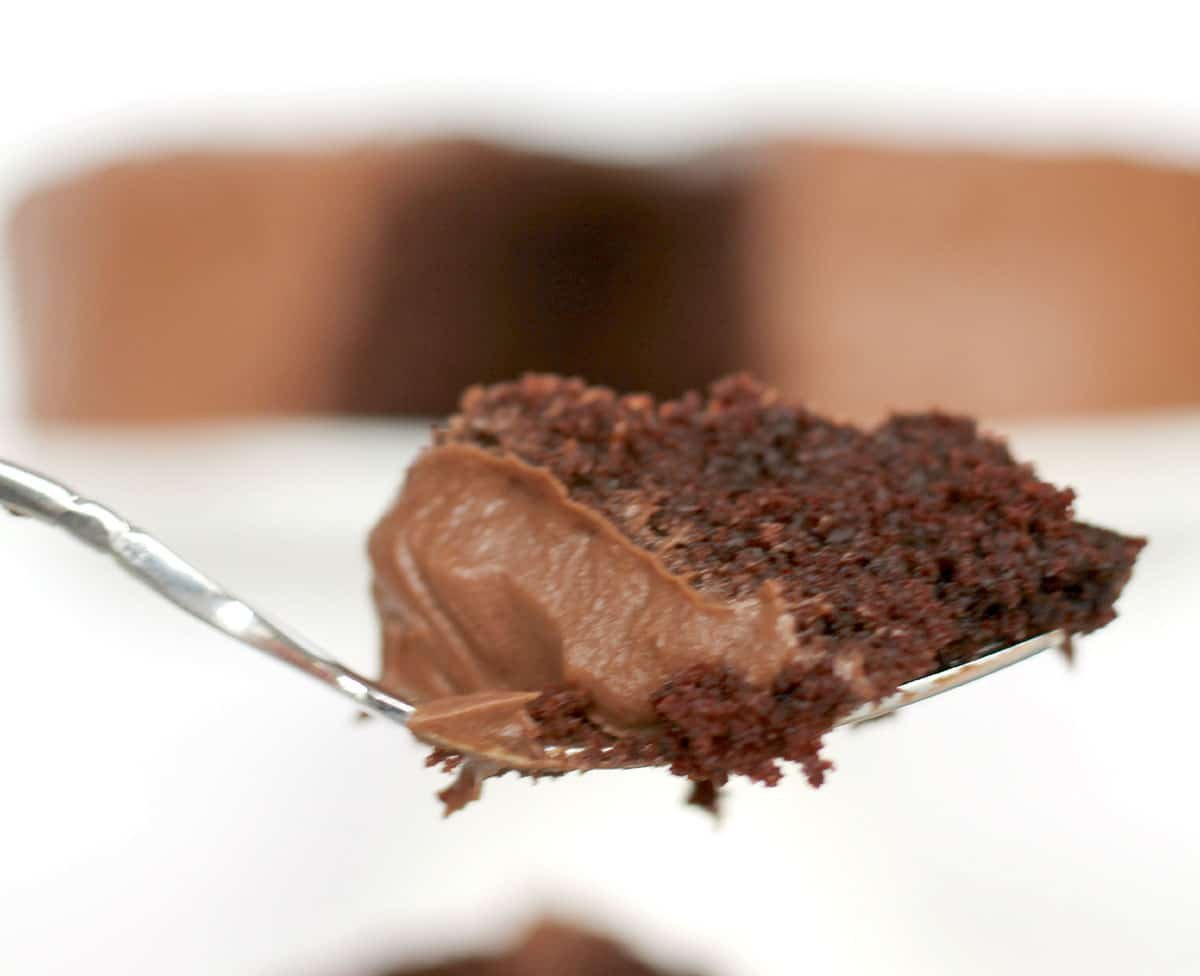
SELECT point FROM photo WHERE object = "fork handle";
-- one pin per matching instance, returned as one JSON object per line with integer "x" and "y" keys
{"x": 25, "y": 492}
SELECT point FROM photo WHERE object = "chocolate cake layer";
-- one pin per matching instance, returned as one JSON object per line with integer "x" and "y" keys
{"x": 379, "y": 279}
{"x": 880, "y": 278}
{"x": 709, "y": 583}
{"x": 386, "y": 278}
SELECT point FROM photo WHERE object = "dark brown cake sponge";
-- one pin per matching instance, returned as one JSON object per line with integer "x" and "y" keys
{"x": 921, "y": 537}
{"x": 922, "y": 542}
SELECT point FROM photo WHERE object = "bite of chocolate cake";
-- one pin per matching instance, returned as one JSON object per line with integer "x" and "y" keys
{"x": 710, "y": 583}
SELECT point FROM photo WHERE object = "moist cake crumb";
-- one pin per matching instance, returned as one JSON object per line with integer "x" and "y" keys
{"x": 896, "y": 551}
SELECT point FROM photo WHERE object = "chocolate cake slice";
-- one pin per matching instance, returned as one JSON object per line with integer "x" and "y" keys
{"x": 708, "y": 583}
{"x": 550, "y": 949}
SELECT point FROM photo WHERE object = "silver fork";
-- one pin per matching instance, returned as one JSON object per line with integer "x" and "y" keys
{"x": 24, "y": 492}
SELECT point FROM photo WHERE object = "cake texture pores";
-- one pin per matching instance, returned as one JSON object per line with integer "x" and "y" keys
{"x": 707, "y": 584}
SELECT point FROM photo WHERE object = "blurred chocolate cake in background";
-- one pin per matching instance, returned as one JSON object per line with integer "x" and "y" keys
{"x": 382, "y": 279}
{"x": 549, "y": 949}
{"x": 992, "y": 284}
{"x": 376, "y": 280}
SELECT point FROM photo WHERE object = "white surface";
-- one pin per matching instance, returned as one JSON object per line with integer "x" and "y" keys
{"x": 179, "y": 804}
{"x": 629, "y": 77}
{"x": 564, "y": 73}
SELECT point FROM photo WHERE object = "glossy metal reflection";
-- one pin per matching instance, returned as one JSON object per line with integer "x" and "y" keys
{"x": 26, "y": 493}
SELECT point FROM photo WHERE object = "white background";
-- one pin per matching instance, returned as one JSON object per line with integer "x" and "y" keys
{"x": 177, "y": 805}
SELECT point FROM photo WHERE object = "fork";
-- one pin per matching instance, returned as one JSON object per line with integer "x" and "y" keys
{"x": 27, "y": 493}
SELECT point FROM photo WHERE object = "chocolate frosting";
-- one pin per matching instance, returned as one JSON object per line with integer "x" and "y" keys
{"x": 493, "y": 585}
